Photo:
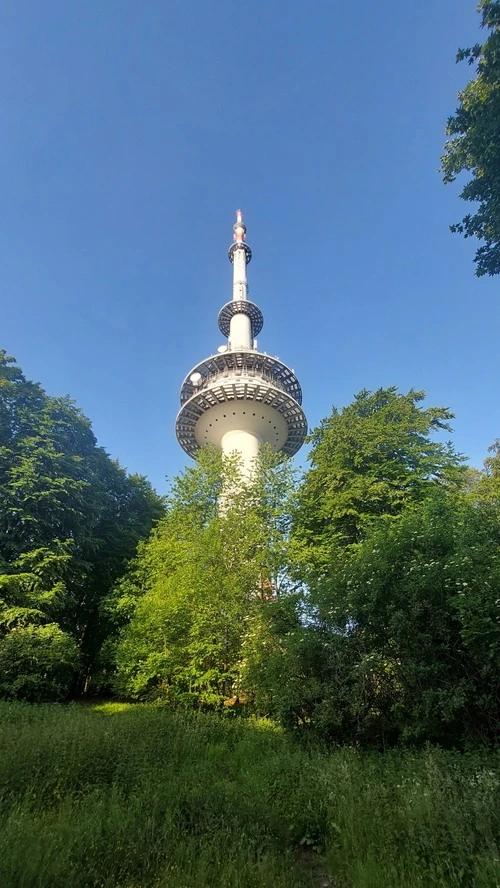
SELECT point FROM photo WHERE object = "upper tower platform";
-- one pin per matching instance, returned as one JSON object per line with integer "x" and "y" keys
{"x": 240, "y": 397}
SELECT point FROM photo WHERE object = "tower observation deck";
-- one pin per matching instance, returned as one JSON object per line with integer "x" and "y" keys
{"x": 240, "y": 397}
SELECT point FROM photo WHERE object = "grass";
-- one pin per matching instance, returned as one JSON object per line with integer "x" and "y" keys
{"x": 142, "y": 797}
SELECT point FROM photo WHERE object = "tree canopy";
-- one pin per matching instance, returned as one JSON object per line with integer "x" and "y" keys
{"x": 412, "y": 620}
{"x": 206, "y": 568}
{"x": 398, "y": 640}
{"x": 474, "y": 143}
{"x": 358, "y": 606}
{"x": 70, "y": 518}
{"x": 371, "y": 459}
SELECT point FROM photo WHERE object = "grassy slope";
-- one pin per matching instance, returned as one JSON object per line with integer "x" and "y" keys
{"x": 136, "y": 797}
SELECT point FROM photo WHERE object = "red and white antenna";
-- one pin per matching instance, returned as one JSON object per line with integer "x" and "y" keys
{"x": 239, "y": 228}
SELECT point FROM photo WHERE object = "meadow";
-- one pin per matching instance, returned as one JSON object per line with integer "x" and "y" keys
{"x": 121, "y": 796}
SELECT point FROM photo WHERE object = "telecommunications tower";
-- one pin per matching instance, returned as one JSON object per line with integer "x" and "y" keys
{"x": 241, "y": 397}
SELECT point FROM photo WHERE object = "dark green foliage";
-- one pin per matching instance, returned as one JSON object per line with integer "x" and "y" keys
{"x": 37, "y": 658}
{"x": 416, "y": 607}
{"x": 70, "y": 518}
{"x": 37, "y": 663}
{"x": 474, "y": 145}
{"x": 300, "y": 673}
{"x": 360, "y": 608}
{"x": 402, "y": 639}
{"x": 395, "y": 639}
{"x": 143, "y": 796}
{"x": 373, "y": 458}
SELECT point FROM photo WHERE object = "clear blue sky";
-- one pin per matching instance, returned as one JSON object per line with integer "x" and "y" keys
{"x": 130, "y": 134}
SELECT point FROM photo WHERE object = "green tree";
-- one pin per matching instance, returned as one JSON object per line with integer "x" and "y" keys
{"x": 60, "y": 492}
{"x": 485, "y": 486}
{"x": 283, "y": 661}
{"x": 474, "y": 143}
{"x": 416, "y": 606}
{"x": 372, "y": 458}
{"x": 37, "y": 658}
{"x": 400, "y": 641}
{"x": 193, "y": 585}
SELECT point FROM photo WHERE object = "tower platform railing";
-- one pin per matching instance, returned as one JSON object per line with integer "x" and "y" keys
{"x": 214, "y": 378}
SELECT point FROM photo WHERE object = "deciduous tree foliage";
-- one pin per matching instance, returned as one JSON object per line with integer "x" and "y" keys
{"x": 360, "y": 607}
{"x": 394, "y": 638}
{"x": 372, "y": 458}
{"x": 486, "y": 484}
{"x": 474, "y": 144}
{"x": 194, "y": 584}
{"x": 37, "y": 658}
{"x": 417, "y": 603}
{"x": 70, "y": 518}
{"x": 401, "y": 640}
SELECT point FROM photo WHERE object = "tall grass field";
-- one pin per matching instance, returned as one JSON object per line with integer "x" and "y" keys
{"x": 144, "y": 797}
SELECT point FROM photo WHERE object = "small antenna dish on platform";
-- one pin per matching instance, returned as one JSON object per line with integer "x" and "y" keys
{"x": 195, "y": 378}
{"x": 222, "y": 349}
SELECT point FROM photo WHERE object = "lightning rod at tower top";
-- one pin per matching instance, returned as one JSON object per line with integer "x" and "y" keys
{"x": 240, "y": 397}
